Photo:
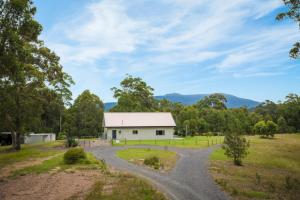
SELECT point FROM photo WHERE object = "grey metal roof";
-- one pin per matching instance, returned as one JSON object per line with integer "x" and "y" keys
{"x": 138, "y": 119}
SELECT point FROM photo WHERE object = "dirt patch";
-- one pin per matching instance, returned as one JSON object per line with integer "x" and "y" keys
{"x": 6, "y": 171}
{"x": 48, "y": 186}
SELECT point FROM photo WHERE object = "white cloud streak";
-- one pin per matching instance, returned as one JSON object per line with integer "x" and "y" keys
{"x": 158, "y": 38}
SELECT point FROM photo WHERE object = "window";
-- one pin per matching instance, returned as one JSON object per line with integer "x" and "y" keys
{"x": 160, "y": 132}
{"x": 135, "y": 132}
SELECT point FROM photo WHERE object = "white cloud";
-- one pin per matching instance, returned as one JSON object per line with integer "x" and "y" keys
{"x": 159, "y": 38}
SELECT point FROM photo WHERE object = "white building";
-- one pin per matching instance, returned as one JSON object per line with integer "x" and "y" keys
{"x": 138, "y": 125}
{"x": 39, "y": 137}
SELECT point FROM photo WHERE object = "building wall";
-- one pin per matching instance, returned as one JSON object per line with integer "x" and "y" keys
{"x": 35, "y": 138}
{"x": 143, "y": 133}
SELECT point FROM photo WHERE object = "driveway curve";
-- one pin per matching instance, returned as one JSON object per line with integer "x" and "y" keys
{"x": 188, "y": 180}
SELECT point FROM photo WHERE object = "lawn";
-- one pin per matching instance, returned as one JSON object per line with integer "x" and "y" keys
{"x": 29, "y": 151}
{"x": 187, "y": 142}
{"x": 270, "y": 171}
{"x": 138, "y": 155}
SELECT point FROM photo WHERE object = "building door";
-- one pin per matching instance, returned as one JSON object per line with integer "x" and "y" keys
{"x": 114, "y": 134}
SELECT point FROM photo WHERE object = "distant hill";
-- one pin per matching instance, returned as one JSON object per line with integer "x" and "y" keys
{"x": 232, "y": 101}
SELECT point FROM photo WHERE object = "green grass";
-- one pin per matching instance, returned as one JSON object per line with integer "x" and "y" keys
{"x": 265, "y": 169}
{"x": 57, "y": 162}
{"x": 124, "y": 187}
{"x": 137, "y": 155}
{"x": 187, "y": 142}
{"x": 28, "y": 151}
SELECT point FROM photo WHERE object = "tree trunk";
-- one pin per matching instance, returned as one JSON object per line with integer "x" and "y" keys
{"x": 13, "y": 139}
{"x": 18, "y": 122}
{"x": 18, "y": 141}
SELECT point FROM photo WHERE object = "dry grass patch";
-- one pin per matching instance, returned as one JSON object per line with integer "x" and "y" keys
{"x": 271, "y": 170}
{"x": 123, "y": 186}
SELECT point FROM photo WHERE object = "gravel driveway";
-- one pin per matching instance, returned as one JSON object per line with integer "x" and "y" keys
{"x": 188, "y": 180}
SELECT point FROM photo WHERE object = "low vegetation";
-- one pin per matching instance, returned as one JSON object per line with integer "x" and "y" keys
{"x": 74, "y": 155}
{"x": 235, "y": 147}
{"x": 157, "y": 159}
{"x": 270, "y": 171}
{"x": 123, "y": 186}
{"x": 29, "y": 151}
{"x": 73, "y": 164}
{"x": 187, "y": 142}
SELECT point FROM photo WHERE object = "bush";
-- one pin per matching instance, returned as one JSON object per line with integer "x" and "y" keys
{"x": 74, "y": 155}
{"x": 61, "y": 136}
{"x": 235, "y": 147}
{"x": 152, "y": 161}
{"x": 71, "y": 142}
{"x": 265, "y": 129}
{"x": 272, "y": 128}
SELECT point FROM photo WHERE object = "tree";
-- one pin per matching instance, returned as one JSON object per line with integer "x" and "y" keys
{"x": 134, "y": 96}
{"x": 282, "y": 125}
{"x": 291, "y": 111}
{"x": 216, "y": 101}
{"x": 27, "y": 67}
{"x": 183, "y": 120}
{"x": 268, "y": 109}
{"x": 271, "y": 128}
{"x": 260, "y": 128}
{"x": 85, "y": 116}
{"x": 235, "y": 147}
{"x": 294, "y": 14}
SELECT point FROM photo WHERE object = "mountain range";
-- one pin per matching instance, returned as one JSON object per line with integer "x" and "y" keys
{"x": 189, "y": 99}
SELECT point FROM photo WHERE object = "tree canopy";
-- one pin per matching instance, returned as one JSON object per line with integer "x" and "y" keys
{"x": 134, "y": 95}
{"x": 27, "y": 67}
{"x": 293, "y": 13}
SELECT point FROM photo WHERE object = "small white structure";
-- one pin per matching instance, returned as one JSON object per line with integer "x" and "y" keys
{"x": 138, "y": 125}
{"x": 39, "y": 137}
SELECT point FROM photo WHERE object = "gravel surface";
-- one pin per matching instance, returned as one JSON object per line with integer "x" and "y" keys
{"x": 188, "y": 180}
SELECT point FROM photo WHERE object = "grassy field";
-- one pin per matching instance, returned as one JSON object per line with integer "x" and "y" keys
{"x": 138, "y": 155}
{"x": 29, "y": 151}
{"x": 270, "y": 171}
{"x": 187, "y": 142}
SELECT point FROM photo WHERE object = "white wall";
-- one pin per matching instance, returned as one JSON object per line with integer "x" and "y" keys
{"x": 35, "y": 138}
{"x": 143, "y": 133}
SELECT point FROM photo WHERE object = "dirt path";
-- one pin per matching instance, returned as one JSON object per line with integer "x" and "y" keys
{"x": 189, "y": 180}
{"x": 50, "y": 186}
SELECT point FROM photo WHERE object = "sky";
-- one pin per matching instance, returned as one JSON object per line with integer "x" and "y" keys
{"x": 176, "y": 46}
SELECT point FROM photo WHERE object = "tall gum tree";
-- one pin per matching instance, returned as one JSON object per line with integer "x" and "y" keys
{"x": 27, "y": 67}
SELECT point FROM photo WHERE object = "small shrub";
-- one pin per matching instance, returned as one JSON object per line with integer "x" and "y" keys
{"x": 222, "y": 182}
{"x": 234, "y": 192}
{"x": 257, "y": 178}
{"x": 272, "y": 187}
{"x": 71, "y": 142}
{"x": 236, "y": 147}
{"x": 61, "y": 136}
{"x": 291, "y": 183}
{"x": 74, "y": 155}
{"x": 152, "y": 161}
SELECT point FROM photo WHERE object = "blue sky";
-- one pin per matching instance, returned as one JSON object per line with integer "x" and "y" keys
{"x": 183, "y": 46}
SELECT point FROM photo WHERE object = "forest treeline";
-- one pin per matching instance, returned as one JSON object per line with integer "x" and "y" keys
{"x": 84, "y": 117}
